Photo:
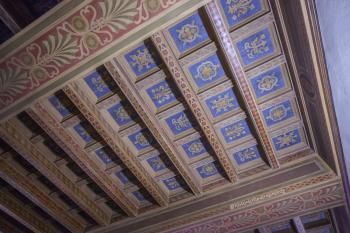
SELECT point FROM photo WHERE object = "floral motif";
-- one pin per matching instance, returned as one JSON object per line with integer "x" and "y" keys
{"x": 181, "y": 122}
{"x": 247, "y": 154}
{"x": 239, "y": 7}
{"x": 188, "y": 33}
{"x": 143, "y": 59}
{"x": 12, "y": 82}
{"x": 141, "y": 140}
{"x": 207, "y": 71}
{"x": 277, "y": 113}
{"x": 121, "y": 114}
{"x": 286, "y": 139}
{"x": 222, "y": 103}
{"x": 196, "y": 147}
{"x": 234, "y": 131}
{"x": 207, "y": 170}
{"x": 162, "y": 93}
{"x": 156, "y": 163}
{"x": 257, "y": 46}
{"x": 267, "y": 83}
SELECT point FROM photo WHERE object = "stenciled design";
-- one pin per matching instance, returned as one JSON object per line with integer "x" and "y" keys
{"x": 98, "y": 85}
{"x": 268, "y": 83}
{"x": 141, "y": 60}
{"x": 237, "y": 11}
{"x": 287, "y": 139}
{"x": 222, "y": 103}
{"x": 156, "y": 163}
{"x": 207, "y": 170}
{"x": 235, "y": 131}
{"x": 62, "y": 105}
{"x": 246, "y": 155}
{"x": 179, "y": 123}
{"x": 207, "y": 72}
{"x": 161, "y": 94}
{"x": 172, "y": 183}
{"x": 82, "y": 130}
{"x": 140, "y": 140}
{"x": 188, "y": 33}
{"x": 71, "y": 41}
{"x": 104, "y": 155}
{"x": 256, "y": 47}
{"x": 194, "y": 148}
{"x": 278, "y": 113}
{"x": 119, "y": 114}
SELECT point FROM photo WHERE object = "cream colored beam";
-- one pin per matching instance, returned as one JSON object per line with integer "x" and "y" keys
{"x": 24, "y": 147}
{"x": 22, "y": 183}
{"x": 193, "y": 102}
{"x": 23, "y": 214}
{"x": 226, "y": 45}
{"x": 149, "y": 119}
{"x": 92, "y": 114}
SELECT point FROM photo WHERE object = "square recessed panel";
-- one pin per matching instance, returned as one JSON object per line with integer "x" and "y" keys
{"x": 62, "y": 105}
{"x": 207, "y": 72}
{"x": 142, "y": 60}
{"x": 179, "y": 123}
{"x": 189, "y": 33}
{"x": 161, "y": 95}
{"x": 240, "y": 11}
{"x": 208, "y": 170}
{"x": 106, "y": 155}
{"x": 278, "y": 113}
{"x": 270, "y": 83}
{"x": 157, "y": 163}
{"x": 85, "y": 132}
{"x": 100, "y": 86}
{"x": 246, "y": 155}
{"x": 140, "y": 196}
{"x": 123, "y": 176}
{"x": 121, "y": 114}
{"x": 222, "y": 103}
{"x": 235, "y": 132}
{"x": 141, "y": 140}
{"x": 257, "y": 47}
{"x": 287, "y": 139}
{"x": 195, "y": 148}
{"x": 172, "y": 183}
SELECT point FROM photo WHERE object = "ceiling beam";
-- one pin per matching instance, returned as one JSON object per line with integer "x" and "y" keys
{"x": 149, "y": 118}
{"x": 193, "y": 102}
{"x": 22, "y": 183}
{"x": 10, "y": 134}
{"x": 6, "y": 225}
{"x": 299, "y": 226}
{"x": 23, "y": 214}
{"x": 226, "y": 45}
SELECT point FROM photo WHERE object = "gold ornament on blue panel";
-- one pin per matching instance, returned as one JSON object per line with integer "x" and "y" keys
{"x": 247, "y": 154}
{"x": 207, "y": 71}
{"x": 196, "y": 147}
{"x": 287, "y": 139}
{"x": 257, "y": 46}
{"x": 142, "y": 59}
{"x": 267, "y": 83}
{"x": 234, "y": 131}
{"x": 181, "y": 122}
{"x": 141, "y": 140}
{"x": 188, "y": 33}
{"x": 98, "y": 84}
{"x": 162, "y": 93}
{"x": 278, "y": 112}
{"x": 222, "y": 103}
{"x": 239, "y": 7}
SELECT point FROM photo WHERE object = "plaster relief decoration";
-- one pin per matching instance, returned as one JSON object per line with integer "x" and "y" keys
{"x": 71, "y": 41}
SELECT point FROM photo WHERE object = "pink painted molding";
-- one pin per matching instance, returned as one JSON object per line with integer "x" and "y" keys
{"x": 75, "y": 39}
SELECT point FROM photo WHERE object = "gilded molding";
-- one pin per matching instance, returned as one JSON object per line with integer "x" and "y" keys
{"x": 236, "y": 68}
{"x": 114, "y": 141}
{"x": 21, "y": 182}
{"x": 46, "y": 167}
{"x": 192, "y": 100}
{"x": 145, "y": 115}
{"x": 23, "y": 214}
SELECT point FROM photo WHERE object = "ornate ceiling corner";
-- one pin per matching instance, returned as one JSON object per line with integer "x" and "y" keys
{"x": 17, "y": 179}
{"x": 23, "y": 146}
{"x": 13, "y": 207}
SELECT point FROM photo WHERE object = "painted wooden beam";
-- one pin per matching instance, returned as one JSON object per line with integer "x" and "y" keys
{"x": 23, "y": 146}
{"x": 6, "y": 225}
{"x": 226, "y": 45}
{"x": 22, "y": 183}
{"x": 149, "y": 119}
{"x": 299, "y": 226}
{"x": 193, "y": 102}
{"x": 23, "y": 214}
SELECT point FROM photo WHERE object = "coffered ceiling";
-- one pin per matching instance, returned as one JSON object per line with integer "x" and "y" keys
{"x": 176, "y": 116}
